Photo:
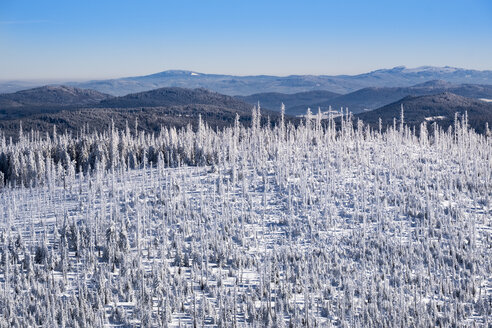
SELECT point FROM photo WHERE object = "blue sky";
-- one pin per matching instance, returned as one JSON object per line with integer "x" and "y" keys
{"x": 100, "y": 39}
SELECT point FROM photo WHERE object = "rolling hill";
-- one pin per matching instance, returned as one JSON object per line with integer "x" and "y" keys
{"x": 60, "y": 95}
{"x": 72, "y": 108}
{"x": 174, "y": 97}
{"x": 47, "y": 99}
{"x": 152, "y": 109}
{"x": 440, "y": 108}
{"x": 375, "y": 97}
{"x": 273, "y": 100}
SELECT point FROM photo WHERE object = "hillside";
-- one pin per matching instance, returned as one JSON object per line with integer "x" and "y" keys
{"x": 273, "y": 100}
{"x": 152, "y": 109}
{"x": 150, "y": 119}
{"x": 440, "y": 108}
{"x": 175, "y": 97}
{"x": 46, "y": 99}
{"x": 52, "y": 96}
{"x": 375, "y": 97}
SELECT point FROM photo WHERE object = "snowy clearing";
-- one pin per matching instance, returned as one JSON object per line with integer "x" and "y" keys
{"x": 435, "y": 118}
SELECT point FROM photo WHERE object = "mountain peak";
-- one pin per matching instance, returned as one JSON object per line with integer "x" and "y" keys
{"x": 421, "y": 69}
{"x": 433, "y": 69}
{"x": 174, "y": 72}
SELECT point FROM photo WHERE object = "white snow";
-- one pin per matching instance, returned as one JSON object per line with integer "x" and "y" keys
{"x": 445, "y": 69}
{"x": 324, "y": 115}
{"x": 435, "y": 118}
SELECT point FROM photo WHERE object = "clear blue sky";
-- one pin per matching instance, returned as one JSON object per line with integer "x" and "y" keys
{"x": 89, "y": 39}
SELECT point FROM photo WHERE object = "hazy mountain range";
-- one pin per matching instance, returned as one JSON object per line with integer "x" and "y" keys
{"x": 246, "y": 85}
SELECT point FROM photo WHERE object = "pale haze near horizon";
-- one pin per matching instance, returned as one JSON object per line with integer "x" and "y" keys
{"x": 56, "y": 40}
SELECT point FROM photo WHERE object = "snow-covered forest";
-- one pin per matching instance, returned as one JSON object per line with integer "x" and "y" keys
{"x": 328, "y": 223}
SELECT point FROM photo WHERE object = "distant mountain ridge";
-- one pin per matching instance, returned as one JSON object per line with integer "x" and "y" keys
{"x": 247, "y": 85}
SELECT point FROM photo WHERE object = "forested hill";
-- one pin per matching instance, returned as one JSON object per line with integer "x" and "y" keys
{"x": 51, "y": 96}
{"x": 302, "y": 100}
{"x": 164, "y": 97}
{"x": 153, "y": 109}
{"x": 440, "y": 108}
{"x": 375, "y": 97}
{"x": 47, "y": 99}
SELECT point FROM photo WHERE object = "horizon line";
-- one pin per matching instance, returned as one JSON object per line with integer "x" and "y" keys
{"x": 82, "y": 79}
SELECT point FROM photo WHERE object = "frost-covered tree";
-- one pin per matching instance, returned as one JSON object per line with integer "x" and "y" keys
{"x": 324, "y": 223}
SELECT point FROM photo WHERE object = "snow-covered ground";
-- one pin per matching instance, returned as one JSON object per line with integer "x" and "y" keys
{"x": 324, "y": 114}
{"x": 289, "y": 227}
{"x": 435, "y": 118}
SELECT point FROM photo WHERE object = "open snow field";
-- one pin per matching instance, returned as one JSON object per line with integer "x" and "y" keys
{"x": 289, "y": 227}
